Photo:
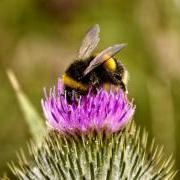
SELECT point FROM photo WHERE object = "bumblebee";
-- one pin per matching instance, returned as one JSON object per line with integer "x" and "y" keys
{"x": 94, "y": 71}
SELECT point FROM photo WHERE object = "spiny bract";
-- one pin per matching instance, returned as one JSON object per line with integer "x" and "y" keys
{"x": 96, "y": 156}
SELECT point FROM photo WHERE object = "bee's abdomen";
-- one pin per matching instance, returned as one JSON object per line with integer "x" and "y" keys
{"x": 70, "y": 82}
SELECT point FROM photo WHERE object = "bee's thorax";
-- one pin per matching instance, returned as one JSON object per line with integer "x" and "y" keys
{"x": 110, "y": 64}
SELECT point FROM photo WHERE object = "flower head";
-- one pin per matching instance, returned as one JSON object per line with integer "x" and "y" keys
{"x": 105, "y": 110}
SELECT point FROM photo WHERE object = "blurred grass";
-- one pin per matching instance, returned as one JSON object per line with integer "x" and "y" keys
{"x": 34, "y": 121}
{"x": 38, "y": 39}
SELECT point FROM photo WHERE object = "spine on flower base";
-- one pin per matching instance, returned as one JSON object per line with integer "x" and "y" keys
{"x": 93, "y": 138}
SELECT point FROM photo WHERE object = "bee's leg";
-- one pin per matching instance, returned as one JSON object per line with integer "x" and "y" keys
{"x": 123, "y": 87}
{"x": 68, "y": 94}
{"x": 94, "y": 82}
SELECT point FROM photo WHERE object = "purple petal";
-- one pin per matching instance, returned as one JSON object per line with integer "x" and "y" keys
{"x": 105, "y": 110}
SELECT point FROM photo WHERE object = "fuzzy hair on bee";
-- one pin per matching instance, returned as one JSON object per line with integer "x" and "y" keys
{"x": 94, "y": 71}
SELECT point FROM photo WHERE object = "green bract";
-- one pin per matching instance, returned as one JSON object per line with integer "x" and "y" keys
{"x": 123, "y": 155}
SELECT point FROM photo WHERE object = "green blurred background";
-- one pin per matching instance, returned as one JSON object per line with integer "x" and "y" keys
{"x": 39, "y": 38}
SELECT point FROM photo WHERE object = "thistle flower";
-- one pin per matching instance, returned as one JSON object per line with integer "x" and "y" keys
{"x": 108, "y": 111}
{"x": 78, "y": 153}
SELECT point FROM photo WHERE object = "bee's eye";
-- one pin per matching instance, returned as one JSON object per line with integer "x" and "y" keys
{"x": 110, "y": 64}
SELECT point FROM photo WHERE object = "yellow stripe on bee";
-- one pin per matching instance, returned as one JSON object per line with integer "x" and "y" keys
{"x": 108, "y": 86}
{"x": 110, "y": 64}
{"x": 68, "y": 81}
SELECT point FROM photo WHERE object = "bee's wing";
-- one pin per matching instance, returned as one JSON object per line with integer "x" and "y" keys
{"x": 89, "y": 42}
{"x": 103, "y": 56}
